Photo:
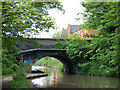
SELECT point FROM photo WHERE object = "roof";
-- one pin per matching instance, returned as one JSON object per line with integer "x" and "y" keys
{"x": 73, "y": 28}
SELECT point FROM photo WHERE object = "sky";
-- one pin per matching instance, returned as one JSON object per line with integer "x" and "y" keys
{"x": 72, "y": 7}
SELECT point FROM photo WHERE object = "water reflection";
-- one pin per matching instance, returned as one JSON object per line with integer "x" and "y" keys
{"x": 48, "y": 81}
{"x": 57, "y": 79}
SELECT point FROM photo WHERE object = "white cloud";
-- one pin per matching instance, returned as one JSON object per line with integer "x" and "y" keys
{"x": 72, "y": 7}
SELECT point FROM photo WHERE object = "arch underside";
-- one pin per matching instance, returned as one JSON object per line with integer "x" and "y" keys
{"x": 68, "y": 66}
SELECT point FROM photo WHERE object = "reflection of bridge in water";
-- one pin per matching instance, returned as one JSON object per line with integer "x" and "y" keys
{"x": 54, "y": 76}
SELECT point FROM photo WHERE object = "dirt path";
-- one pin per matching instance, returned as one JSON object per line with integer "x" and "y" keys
{"x": 5, "y": 82}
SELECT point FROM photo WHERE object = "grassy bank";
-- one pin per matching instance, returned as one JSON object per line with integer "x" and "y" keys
{"x": 49, "y": 62}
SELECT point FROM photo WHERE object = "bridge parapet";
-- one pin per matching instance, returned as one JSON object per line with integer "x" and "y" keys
{"x": 38, "y": 49}
{"x": 48, "y": 43}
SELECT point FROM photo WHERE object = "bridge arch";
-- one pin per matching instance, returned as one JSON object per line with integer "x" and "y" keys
{"x": 33, "y": 54}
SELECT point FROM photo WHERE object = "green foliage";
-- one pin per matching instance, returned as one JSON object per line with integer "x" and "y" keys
{"x": 103, "y": 49}
{"x": 8, "y": 62}
{"x": 19, "y": 84}
{"x": 103, "y": 15}
{"x": 84, "y": 68}
{"x": 7, "y": 70}
{"x": 19, "y": 73}
{"x": 101, "y": 56}
{"x": 18, "y": 17}
{"x": 60, "y": 45}
{"x": 95, "y": 68}
{"x": 19, "y": 78}
{"x": 62, "y": 68}
{"x": 75, "y": 48}
{"x": 51, "y": 62}
{"x": 9, "y": 44}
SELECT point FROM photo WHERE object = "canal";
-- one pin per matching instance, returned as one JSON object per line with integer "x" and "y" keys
{"x": 58, "y": 79}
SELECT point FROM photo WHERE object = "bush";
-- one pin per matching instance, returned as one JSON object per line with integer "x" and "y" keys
{"x": 19, "y": 78}
{"x": 8, "y": 62}
{"x": 6, "y": 70}
{"x": 84, "y": 68}
{"x": 19, "y": 84}
{"x": 100, "y": 57}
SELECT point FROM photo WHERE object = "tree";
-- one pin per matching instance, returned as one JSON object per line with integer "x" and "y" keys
{"x": 17, "y": 20}
{"x": 61, "y": 35}
{"x": 18, "y": 16}
{"x": 101, "y": 56}
{"x": 104, "y": 17}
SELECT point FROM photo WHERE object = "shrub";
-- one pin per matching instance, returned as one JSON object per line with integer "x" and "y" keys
{"x": 6, "y": 70}
{"x": 19, "y": 78}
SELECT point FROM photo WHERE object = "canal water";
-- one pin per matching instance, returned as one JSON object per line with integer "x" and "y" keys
{"x": 58, "y": 79}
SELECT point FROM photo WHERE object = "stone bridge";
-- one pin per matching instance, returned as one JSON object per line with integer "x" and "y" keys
{"x": 48, "y": 43}
{"x": 29, "y": 53}
{"x": 33, "y": 54}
